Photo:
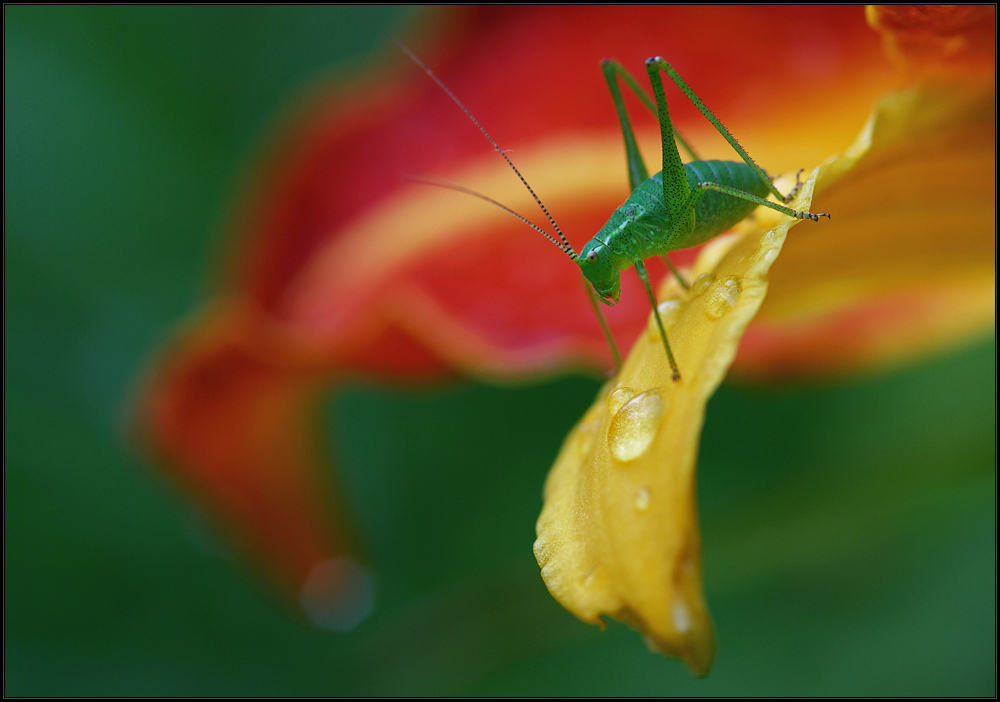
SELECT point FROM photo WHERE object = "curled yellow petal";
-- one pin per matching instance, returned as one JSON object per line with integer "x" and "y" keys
{"x": 618, "y": 534}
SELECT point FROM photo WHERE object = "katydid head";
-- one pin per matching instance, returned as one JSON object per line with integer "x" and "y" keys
{"x": 598, "y": 267}
{"x": 595, "y": 262}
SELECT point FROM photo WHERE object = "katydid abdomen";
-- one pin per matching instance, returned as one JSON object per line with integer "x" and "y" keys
{"x": 642, "y": 227}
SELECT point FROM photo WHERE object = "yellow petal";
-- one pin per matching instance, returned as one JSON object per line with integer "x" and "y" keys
{"x": 618, "y": 534}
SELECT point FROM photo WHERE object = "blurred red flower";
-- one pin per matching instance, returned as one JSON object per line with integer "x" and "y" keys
{"x": 342, "y": 267}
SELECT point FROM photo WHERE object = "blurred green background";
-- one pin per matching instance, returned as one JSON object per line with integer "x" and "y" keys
{"x": 849, "y": 530}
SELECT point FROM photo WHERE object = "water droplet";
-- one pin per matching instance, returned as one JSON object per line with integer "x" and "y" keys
{"x": 642, "y": 499}
{"x": 635, "y": 426}
{"x": 702, "y": 283}
{"x": 338, "y": 594}
{"x": 670, "y": 312}
{"x": 618, "y": 398}
{"x": 770, "y": 244}
{"x": 682, "y": 617}
{"x": 722, "y": 297}
{"x": 771, "y": 238}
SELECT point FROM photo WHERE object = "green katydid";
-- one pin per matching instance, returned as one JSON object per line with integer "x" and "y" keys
{"x": 683, "y": 205}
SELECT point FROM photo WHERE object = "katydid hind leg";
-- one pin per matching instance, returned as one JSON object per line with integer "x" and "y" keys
{"x": 634, "y": 86}
{"x": 637, "y": 171}
{"x": 676, "y": 191}
{"x": 653, "y": 65}
{"x": 659, "y": 62}
{"x": 727, "y": 135}
{"x": 736, "y": 192}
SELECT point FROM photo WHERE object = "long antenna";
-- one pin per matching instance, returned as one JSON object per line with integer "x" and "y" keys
{"x": 565, "y": 242}
{"x": 441, "y": 183}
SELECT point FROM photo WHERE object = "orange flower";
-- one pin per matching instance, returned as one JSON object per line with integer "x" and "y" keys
{"x": 618, "y": 534}
{"x": 343, "y": 268}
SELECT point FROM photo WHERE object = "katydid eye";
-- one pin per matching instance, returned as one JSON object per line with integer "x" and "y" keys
{"x": 592, "y": 257}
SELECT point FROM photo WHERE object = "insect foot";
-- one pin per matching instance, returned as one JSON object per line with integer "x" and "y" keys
{"x": 798, "y": 186}
{"x": 809, "y": 215}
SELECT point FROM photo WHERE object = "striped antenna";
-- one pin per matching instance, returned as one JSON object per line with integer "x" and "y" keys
{"x": 565, "y": 245}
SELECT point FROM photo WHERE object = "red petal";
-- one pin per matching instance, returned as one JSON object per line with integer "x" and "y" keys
{"x": 316, "y": 292}
{"x": 239, "y": 431}
{"x": 344, "y": 161}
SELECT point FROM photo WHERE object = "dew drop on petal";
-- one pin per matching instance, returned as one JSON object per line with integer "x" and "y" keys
{"x": 338, "y": 594}
{"x": 722, "y": 297}
{"x": 702, "y": 283}
{"x": 670, "y": 312}
{"x": 618, "y": 398}
{"x": 633, "y": 429}
{"x": 642, "y": 499}
{"x": 771, "y": 238}
{"x": 770, "y": 246}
